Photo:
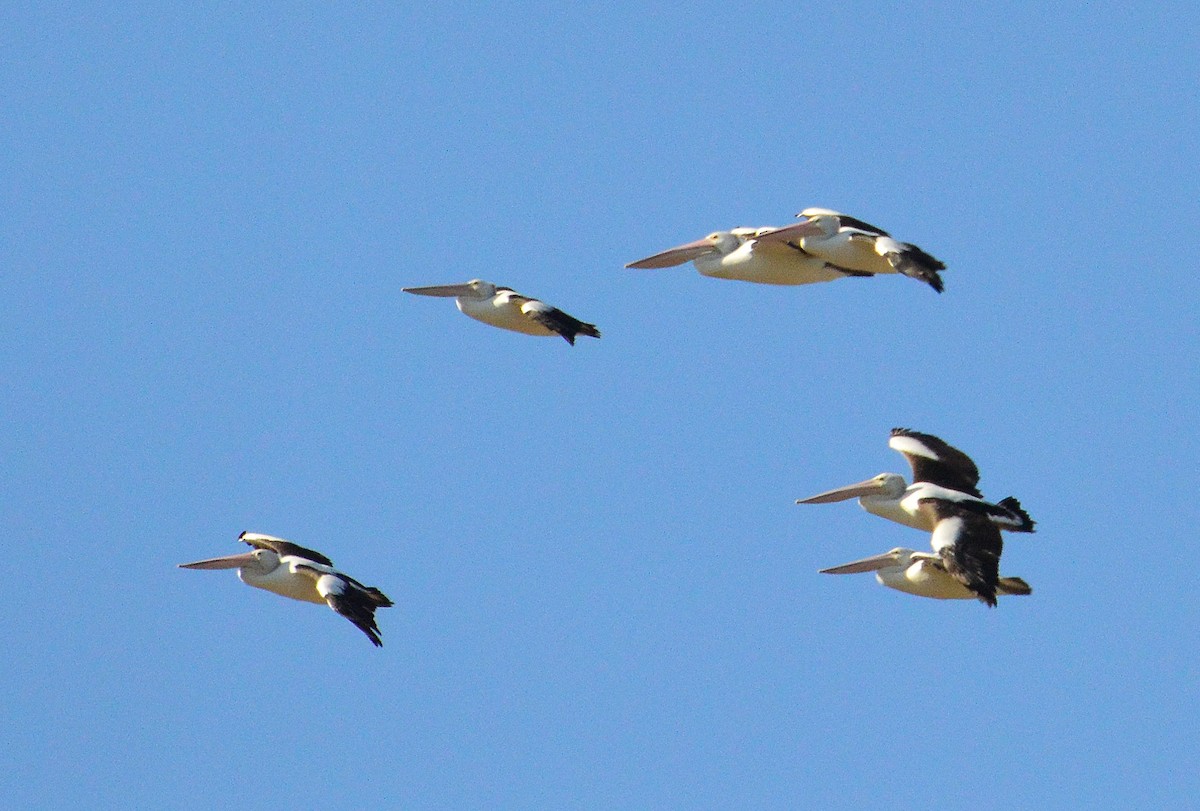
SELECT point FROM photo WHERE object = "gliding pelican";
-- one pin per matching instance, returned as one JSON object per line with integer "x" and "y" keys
{"x": 850, "y": 243}
{"x": 966, "y": 547}
{"x": 740, "y": 254}
{"x": 922, "y": 574}
{"x": 505, "y": 308}
{"x": 302, "y": 574}
{"x": 939, "y": 471}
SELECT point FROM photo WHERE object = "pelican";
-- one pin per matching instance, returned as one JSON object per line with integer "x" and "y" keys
{"x": 965, "y": 562}
{"x": 302, "y": 574}
{"x": 852, "y": 244}
{"x": 505, "y": 308}
{"x": 741, "y": 254}
{"x": 939, "y": 471}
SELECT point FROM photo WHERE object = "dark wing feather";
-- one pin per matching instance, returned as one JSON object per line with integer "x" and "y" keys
{"x": 565, "y": 325}
{"x": 356, "y": 603}
{"x": 969, "y": 545}
{"x": 921, "y": 257}
{"x": 916, "y": 264}
{"x": 854, "y": 222}
{"x": 282, "y": 547}
{"x": 360, "y": 610}
{"x": 944, "y": 465}
{"x": 1025, "y": 523}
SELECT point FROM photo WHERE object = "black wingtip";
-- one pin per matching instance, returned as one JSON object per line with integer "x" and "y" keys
{"x": 916, "y": 264}
{"x": 359, "y": 608}
{"x": 1014, "y": 507}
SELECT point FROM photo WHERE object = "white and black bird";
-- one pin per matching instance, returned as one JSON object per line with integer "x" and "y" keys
{"x": 940, "y": 471}
{"x": 292, "y": 571}
{"x": 849, "y": 243}
{"x": 505, "y": 308}
{"x": 965, "y": 562}
{"x": 741, "y": 254}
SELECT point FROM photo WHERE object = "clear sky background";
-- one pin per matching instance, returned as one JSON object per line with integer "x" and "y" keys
{"x": 605, "y": 595}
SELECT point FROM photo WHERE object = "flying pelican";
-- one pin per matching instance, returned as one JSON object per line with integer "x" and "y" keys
{"x": 939, "y": 471}
{"x": 302, "y": 574}
{"x": 741, "y": 254}
{"x": 850, "y": 243}
{"x": 506, "y": 308}
{"x": 965, "y": 561}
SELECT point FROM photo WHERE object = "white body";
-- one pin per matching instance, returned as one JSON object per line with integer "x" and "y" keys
{"x": 924, "y": 578}
{"x": 286, "y": 581}
{"x": 921, "y": 574}
{"x": 742, "y": 255}
{"x": 853, "y": 249}
{"x": 848, "y": 247}
{"x": 763, "y": 263}
{"x": 506, "y": 310}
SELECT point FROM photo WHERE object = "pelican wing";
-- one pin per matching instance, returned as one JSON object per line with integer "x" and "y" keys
{"x": 935, "y": 461}
{"x": 846, "y": 221}
{"x": 351, "y": 599}
{"x": 969, "y": 545}
{"x": 281, "y": 547}
{"x": 556, "y": 320}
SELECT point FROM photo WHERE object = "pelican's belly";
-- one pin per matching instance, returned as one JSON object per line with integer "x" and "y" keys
{"x": 933, "y": 581}
{"x": 852, "y": 254}
{"x": 924, "y": 580}
{"x": 766, "y": 267}
{"x": 285, "y": 583}
{"x": 505, "y": 315}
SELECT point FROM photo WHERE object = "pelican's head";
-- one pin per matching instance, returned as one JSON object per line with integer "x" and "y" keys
{"x": 476, "y": 289}
{"x": 898, "y": 558}
{"x": 721, "y": 242}
{"x": 258, "y": 561}
{"x": 885, "y": 485}
{"x": 825, "y": 220}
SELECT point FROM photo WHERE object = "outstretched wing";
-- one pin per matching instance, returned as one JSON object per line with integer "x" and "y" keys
{"x": 936, "y": 462}
{"x": 281, "y": 547}
{"x": 557, "y": 321}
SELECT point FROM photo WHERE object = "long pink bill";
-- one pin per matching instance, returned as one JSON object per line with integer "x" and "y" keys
{"x": 227, "y": 562}
{"x": 871, "y": 564}
{"x": 674, "y": 256}
{"x": 442, "y": 290}
{"x": 865, "y": 488}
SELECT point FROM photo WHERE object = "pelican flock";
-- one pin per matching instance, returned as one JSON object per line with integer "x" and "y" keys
{"x": 943, "y": 498}
{"x": 945, "y": 501}
{"x": 290, "y": 570}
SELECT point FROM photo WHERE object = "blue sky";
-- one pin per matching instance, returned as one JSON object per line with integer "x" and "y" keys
{"x": 606, "y": 597}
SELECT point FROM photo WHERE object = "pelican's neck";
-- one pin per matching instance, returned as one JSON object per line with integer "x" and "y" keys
{"x": 893, "y": 509}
